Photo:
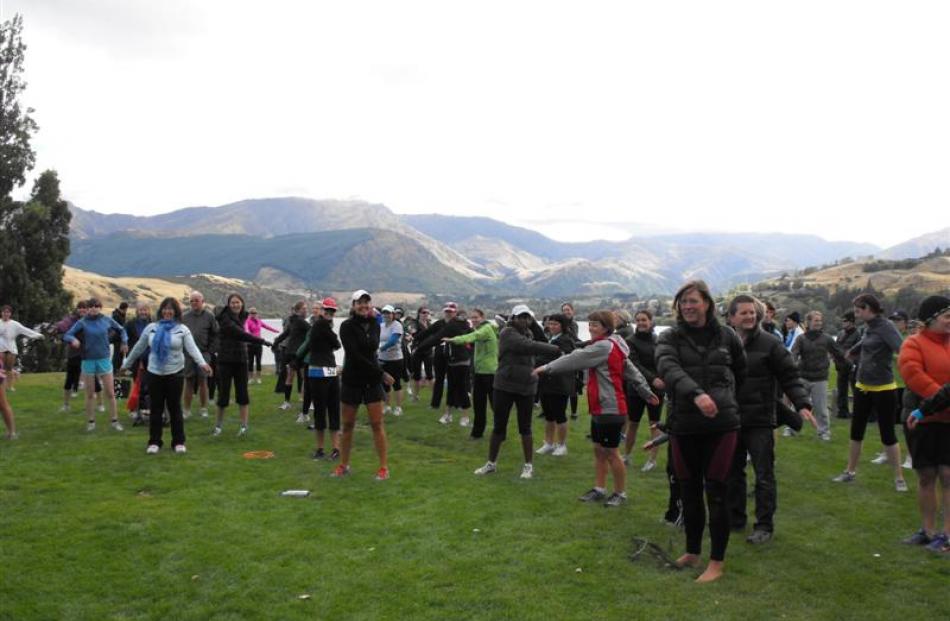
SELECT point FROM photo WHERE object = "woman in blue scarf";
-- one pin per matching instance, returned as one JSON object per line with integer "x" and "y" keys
{"x": 167, "y": 340}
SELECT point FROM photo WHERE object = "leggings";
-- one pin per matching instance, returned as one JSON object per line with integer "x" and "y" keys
{"x": 254, "y": 353}
{"x": 73, "y": 371}
{"x": 882, "y": 402}
{"x": 307, "y": 393}
{"x": 228, "y": 372}
{"x": 501, "y": 404}
{"x": 418, "y": 362}
{"x": 165, "y": 394}
{"x": 481, "y": 393}
{"x": 457, "y": 396}
{"x": 437, "y": 385}
{"x": 554, "y": 408}
{"x": 697, "y": 460}
{"x": 325, "y": 392}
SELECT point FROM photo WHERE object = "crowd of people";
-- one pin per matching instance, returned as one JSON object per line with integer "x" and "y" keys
{"x": 729, "y": 382}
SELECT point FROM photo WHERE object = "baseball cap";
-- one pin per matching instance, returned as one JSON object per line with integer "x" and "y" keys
{"x": 360, "y": 294}
{"x": 329, "y": 303}
{"x": 387, "y": 309}
{"x": 899, "y": 315}
{"x": 521, "y": 309}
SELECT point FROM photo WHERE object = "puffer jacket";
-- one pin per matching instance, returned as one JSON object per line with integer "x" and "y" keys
{"x": 560, "y": 384}
{"x": 925, "y": 365}
{"x": 319, "y": 346}
{"x": 516, "y": 361}
{"x": 845, "y": 340}
{"x": 643, "y": 353}
{"x": 690, "y": 369}
{"x": 811, "y": 350}
{"x": 232, "y": 339}
{"x": 876, "y": 351}
{"x": 360, "y": 339}
{"x": 769, "y": 369}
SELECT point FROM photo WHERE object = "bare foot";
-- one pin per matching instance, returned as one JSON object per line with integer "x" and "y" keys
{"x": 688, "y": 560}
{"x": 713, "y": 572}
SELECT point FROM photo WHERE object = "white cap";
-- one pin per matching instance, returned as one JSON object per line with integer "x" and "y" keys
{"x": 387, "y": 309}
{"x": 521, "y": 309}
{"x": 361, "y": 293}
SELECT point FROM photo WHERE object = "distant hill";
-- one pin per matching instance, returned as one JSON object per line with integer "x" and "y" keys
{"x": 918, "y": 246}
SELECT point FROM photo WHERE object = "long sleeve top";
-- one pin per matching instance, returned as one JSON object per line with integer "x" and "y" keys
{"x": 485, "y": 338}
{"x": 876, "y": 351}
{"x": 10, "y": 330}
{"x": 181, "y": 341}
{"x": 95, "y": 336}
{"x": 253, "y": 325}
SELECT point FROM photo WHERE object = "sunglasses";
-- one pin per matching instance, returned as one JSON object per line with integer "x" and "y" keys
{"x": 329, "y": 310}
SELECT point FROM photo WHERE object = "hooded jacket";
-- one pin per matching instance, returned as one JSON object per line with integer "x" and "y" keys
{"x": 876, "y": 351}
{"x": 608, "y": 366}
{"x": 769, "y": 369}
{"x": 811, "y": 351}
{"x": 319, "y": 346}
{"x": 360, "y": 339}
{"x": 516, "y": 354}
{"x": 690, "y": 369}
{"x": 232, "y": 339}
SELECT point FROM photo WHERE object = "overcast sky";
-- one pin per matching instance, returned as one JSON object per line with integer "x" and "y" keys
{"x": 812, "y": 117}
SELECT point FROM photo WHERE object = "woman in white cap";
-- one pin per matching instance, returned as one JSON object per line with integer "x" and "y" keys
{"x": 390, "y": 355}
{"x": 515, "y": 385}
{"x": 362, "y": 381}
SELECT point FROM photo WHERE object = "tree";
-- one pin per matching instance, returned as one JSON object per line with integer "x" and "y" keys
{"x": 16, "y": 125}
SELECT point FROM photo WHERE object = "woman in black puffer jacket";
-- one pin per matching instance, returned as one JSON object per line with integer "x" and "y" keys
{"x": 702, "y": 364}
{"x": 232, "y": 359}
{"x": 555, "y": 390}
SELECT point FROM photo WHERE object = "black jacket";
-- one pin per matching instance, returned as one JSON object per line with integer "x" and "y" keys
{"x": 516, "y": 361}
{"x": 294, "y": 333}
{"x": 432, "y": 339}
{"x": 232, "y": 338}
{"x": 690, "y": 369}
{"x": 321, "y": 342}
{"x": 769, "y": 369}
{"x": 845, "y": 341}
{"x": 557, "y": 383}
{"x": 643, "y": 354}
{"x": 811, "y": 351}
{"x": 360, "y": 339}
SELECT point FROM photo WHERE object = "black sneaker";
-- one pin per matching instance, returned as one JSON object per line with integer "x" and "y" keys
{"x": 334, "y": 454}
{"x": 920, "y": 538}
{"x": 759, "y": 537}
{"x": 616, "y": 500}
{"x": 319, "y": 454}
{"x": 592, "y": 496}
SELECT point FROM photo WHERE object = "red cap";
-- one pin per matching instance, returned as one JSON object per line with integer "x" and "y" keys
{"x": 329, "y": 303}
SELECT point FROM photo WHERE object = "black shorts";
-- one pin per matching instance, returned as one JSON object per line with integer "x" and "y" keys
{"x": 929, "y": 445}
{"x": 394, "y": 368}
{"x": 636, "y": 405}
{"x": 356, "y": 395}
{"x": 606, "y": 429}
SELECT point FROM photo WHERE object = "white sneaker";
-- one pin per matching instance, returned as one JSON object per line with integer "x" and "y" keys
{"x": 560, "y": 450}
{"x": 488, "y": 468}
{"x": 74, "y": 394}
{"x": 880, "y": 459}
{"x": 302, "y": 418}
{"x": 397, "y": 411}
{"x": 216, "y": 431}
{"x": 900, "y": 485}
{"x": 242, "y": 431}
{"x": 91, "y": 425}
{"x": 101, "y": 408}
{"x": 908, "y": 463}
{"x": 464, "y": 422}
{"x": 626, "y": 460}
{"x": 258, "y": 380}
{"x": 117, "y": 426}
{"x": 284, "y": 406}
{"x": 186, "y": 414}
{"x": 545, "y": 449}
{"x": 81, "y": 386}
{"x": 527, "y": 471}
{"x": 203, "y": 412}
{"x": 64, "y": 408}
{"x": 152, "y": 449}
{"x": 180, "y": 448}
{"x": 648, "y": 466}
{"x": 788, "y": 433}
{"x": 387, "y": 410}
{"x": 446, "y": 419}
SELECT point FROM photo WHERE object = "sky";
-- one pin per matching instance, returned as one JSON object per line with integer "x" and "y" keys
{"x": 581, "y": 120}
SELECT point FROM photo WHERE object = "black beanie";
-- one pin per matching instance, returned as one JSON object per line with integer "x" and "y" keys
{"x": 794, "y": 316}
{"x": 933, "y": 306}
{"x": 848, "y": 316}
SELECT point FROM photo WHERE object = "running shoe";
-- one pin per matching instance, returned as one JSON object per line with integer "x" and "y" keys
{"x": 319, "y": 454}
{"x": 648, "y": 466}
{"x": 387, "y": 410}
{"x": 152, "y": 449}
{"x": 594, "y": 495}
{"x": 284, "y": 406}
{"x": 759, "y": 537}
{"x": 91, "y": 425}
{"x": 824, "y": 437}
{"x": 397, "y": 411}
{"x": 100, "y": 408}
{"x": 216, "y": 431}
{"x": 180, "y": 448}
{"x": 445, "y": 418}
{"x": 382, "y": 474}
{"x": 920, "y": 538}
{"x": 908, "y": 463}
{"x": 900, "y": 485}
{"x": 615, "y": 500}
{"x": 301, "y": 418}
{"x": 186, "y": 414}
{"x": 488, "y": 468}
{"x": 527, "y": 471}
{"x": 626, "y": 460}
{"x": 340, "y": 471}
{"x": 464, "y": 422}
{"x": 939, "y": 543}
{"x": 880, "y": 458}
{"x": 844, "y": 477}
{"x": 242, "y": 431}
{"x": 545, "y": 449}
{"x": 560, "y": 450}
{"x": 64, "y": 409}
{"x": 788, "y": 433}
{"x": 203, "y": 412}
{"x": 13, "y": 436}
{"x": 334, "y": 454}
{"x": 117, "y": 425}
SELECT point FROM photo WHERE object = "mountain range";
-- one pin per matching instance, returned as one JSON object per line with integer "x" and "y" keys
{"x": 338, "y": 245}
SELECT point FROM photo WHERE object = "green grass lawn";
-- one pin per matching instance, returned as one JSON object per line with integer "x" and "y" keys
{"x": 92, "y": 528}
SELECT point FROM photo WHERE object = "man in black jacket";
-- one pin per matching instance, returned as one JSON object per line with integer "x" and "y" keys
{"x": 769, "y": 367}
{"x": 847, "y": 338}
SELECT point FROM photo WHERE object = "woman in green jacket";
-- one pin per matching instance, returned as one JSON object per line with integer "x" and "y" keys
{"x": 485, "y": 338}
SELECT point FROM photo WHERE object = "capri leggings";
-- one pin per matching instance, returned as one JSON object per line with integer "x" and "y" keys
{"x": 881, "y": 402}
{"x": 457, "y": 396}
{"x": 255, "y": 352}
{"x": 554, "y": 408}
{"x": 502, "y": 403}
{"x": 325, "y": 392}
{"x": 228, "y": 372}
{"x": 420, "y": 363}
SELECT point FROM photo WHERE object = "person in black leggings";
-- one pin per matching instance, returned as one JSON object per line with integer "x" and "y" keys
{"x": 702, "y": 363}
{"x": 323, "y": 381}
{"x": 231, "y": 366}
